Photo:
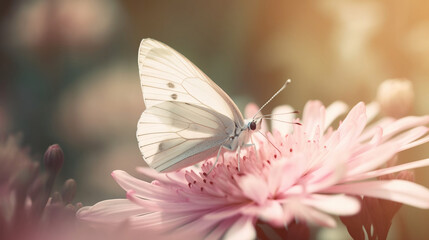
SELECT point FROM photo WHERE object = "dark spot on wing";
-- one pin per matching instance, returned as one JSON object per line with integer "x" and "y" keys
{"x": 170, "y": 85}
{"x": 174, "y": 96}
{"x": 161, "y": 147}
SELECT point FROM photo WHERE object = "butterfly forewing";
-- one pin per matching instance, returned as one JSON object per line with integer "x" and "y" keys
{"x": 166, "y": 75}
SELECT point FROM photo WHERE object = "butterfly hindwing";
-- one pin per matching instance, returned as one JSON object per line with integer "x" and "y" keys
{"x": 169, "y": 132}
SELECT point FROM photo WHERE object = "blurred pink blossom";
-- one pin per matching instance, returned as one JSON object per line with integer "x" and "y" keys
{"x": 306, "y": 175}
{"x": 73, "y": 24}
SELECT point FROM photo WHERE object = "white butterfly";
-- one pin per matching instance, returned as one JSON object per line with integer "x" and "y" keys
{"x": 188, "y": 118}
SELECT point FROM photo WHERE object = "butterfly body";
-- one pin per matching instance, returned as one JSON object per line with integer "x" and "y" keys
{"x": 188, "y": 118}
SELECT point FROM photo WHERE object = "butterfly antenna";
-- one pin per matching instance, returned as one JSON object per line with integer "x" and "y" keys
{"x": 275, "y": 94}
{"x": 276, "y": 114}
{"x": 278, "y": 120}
{"x": 269, "y": 141}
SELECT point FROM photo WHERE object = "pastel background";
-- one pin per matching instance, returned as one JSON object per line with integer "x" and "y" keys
{"x": 69, "y": 69}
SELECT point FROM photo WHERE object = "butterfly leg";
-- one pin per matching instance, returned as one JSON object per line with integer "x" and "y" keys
{"x": 254, "y": 146}
{"x": 217, "y": 158}
{"x": 238, "y": 157}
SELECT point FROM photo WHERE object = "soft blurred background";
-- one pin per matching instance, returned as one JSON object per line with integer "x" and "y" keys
{"x": 69, "y": 69}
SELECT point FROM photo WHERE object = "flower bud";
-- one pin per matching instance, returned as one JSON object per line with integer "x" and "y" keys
{"x": 69, "y": 190}
{"x": 56, "y": 198}
{"x": 54, "y": 158}
{"x": 396, "y": 97}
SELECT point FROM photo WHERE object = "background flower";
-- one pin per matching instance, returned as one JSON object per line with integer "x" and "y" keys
{"x": 28, "y": 207}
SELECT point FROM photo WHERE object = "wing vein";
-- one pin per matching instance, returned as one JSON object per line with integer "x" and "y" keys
{"x": 146, "y": 145}
{"x": 163, "y": 89}
{"x": 190, "y": 121}
{"x": 220, "y": 120}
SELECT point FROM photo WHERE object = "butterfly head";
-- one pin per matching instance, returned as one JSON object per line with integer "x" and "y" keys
{"x": 254, "y": 124}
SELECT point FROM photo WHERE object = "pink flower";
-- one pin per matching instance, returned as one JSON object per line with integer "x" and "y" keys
{"x": 306, "y": 175}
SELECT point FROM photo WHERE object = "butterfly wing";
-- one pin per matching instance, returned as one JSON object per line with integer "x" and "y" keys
{"x": 166, "y": 75}
{"x": 187, "y": 117}
{"x": 170, "y": 132}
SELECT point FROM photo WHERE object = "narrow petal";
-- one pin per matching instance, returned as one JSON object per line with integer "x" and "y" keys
{"x": 415, "y": 143}
{"x": 307, "y": 213}
{"x": 394, "y": 190}
{"x": 385, "y": 171}
{"x": 330, "y": 173}
{"x": 313, "y": 117}
{"x": 111, "y": 211}
{"x": 152, "y": 173}
{"x": 277, "y": 180}
{"x": 250, "y": 110}
{"x": 372, "y": 109}
{"x": 220, "y": 230}
{"x": 372, "y": 159}
{"x": 147, "y": 204}
{"x": 254, "y": 188}
{"x": 272, "y": 213}
{"x": 404, "y": 124}
{"x": 142, "y": 188}
{"x": 283, "y": 118}
{"x": 410, "y": 135}
{"x": 371, "y": 129}
{"x": 242, "y": 229}
{"x": 334, "y": 204}
{"x": 353, "y": 124}
{"x": 333, "y": 111}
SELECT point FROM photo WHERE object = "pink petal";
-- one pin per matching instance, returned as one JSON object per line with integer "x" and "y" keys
{"x": 372, "y": 158}
{"x": 242, "y": 229}
{"x": 324, "y": 177}
{"x": 330, "y": 173}
{"x": 147, "y": 204}
{"x": 298, "y": 209}
{"x": 403, "y": 124}
{"x": 254, "y": 188}
{"x": 333, "y": 111}
{"x": 283, "y": 125}
{"x": 415, "y": 143}
{"x": 142, "y": 188}
{"x": 334, "y": 204}
{"x": 162, "y": 222}
{"x": 193, "y": 229}
{"x": 111, "y": 211}
{"x": 272, "y": 212}
{"x": 410, "y": 135}
{"x": 394, "y": 190}
{"x": 225, "y": 212}
{"x": 353, "y": 125}
{"x": 372, "y": 110}
{"x": 278, "y": 181}
{"x": 370, "y": 130}
{"x": 385, "y": 171}
{"x": 250, "y": 110}
{"x": 153, "y": 221}
{"x": 220, "y": 230}
{"x": 378, "y": 135}
{"x": 152, "y": 173}
{"x": 313, "y": 117}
